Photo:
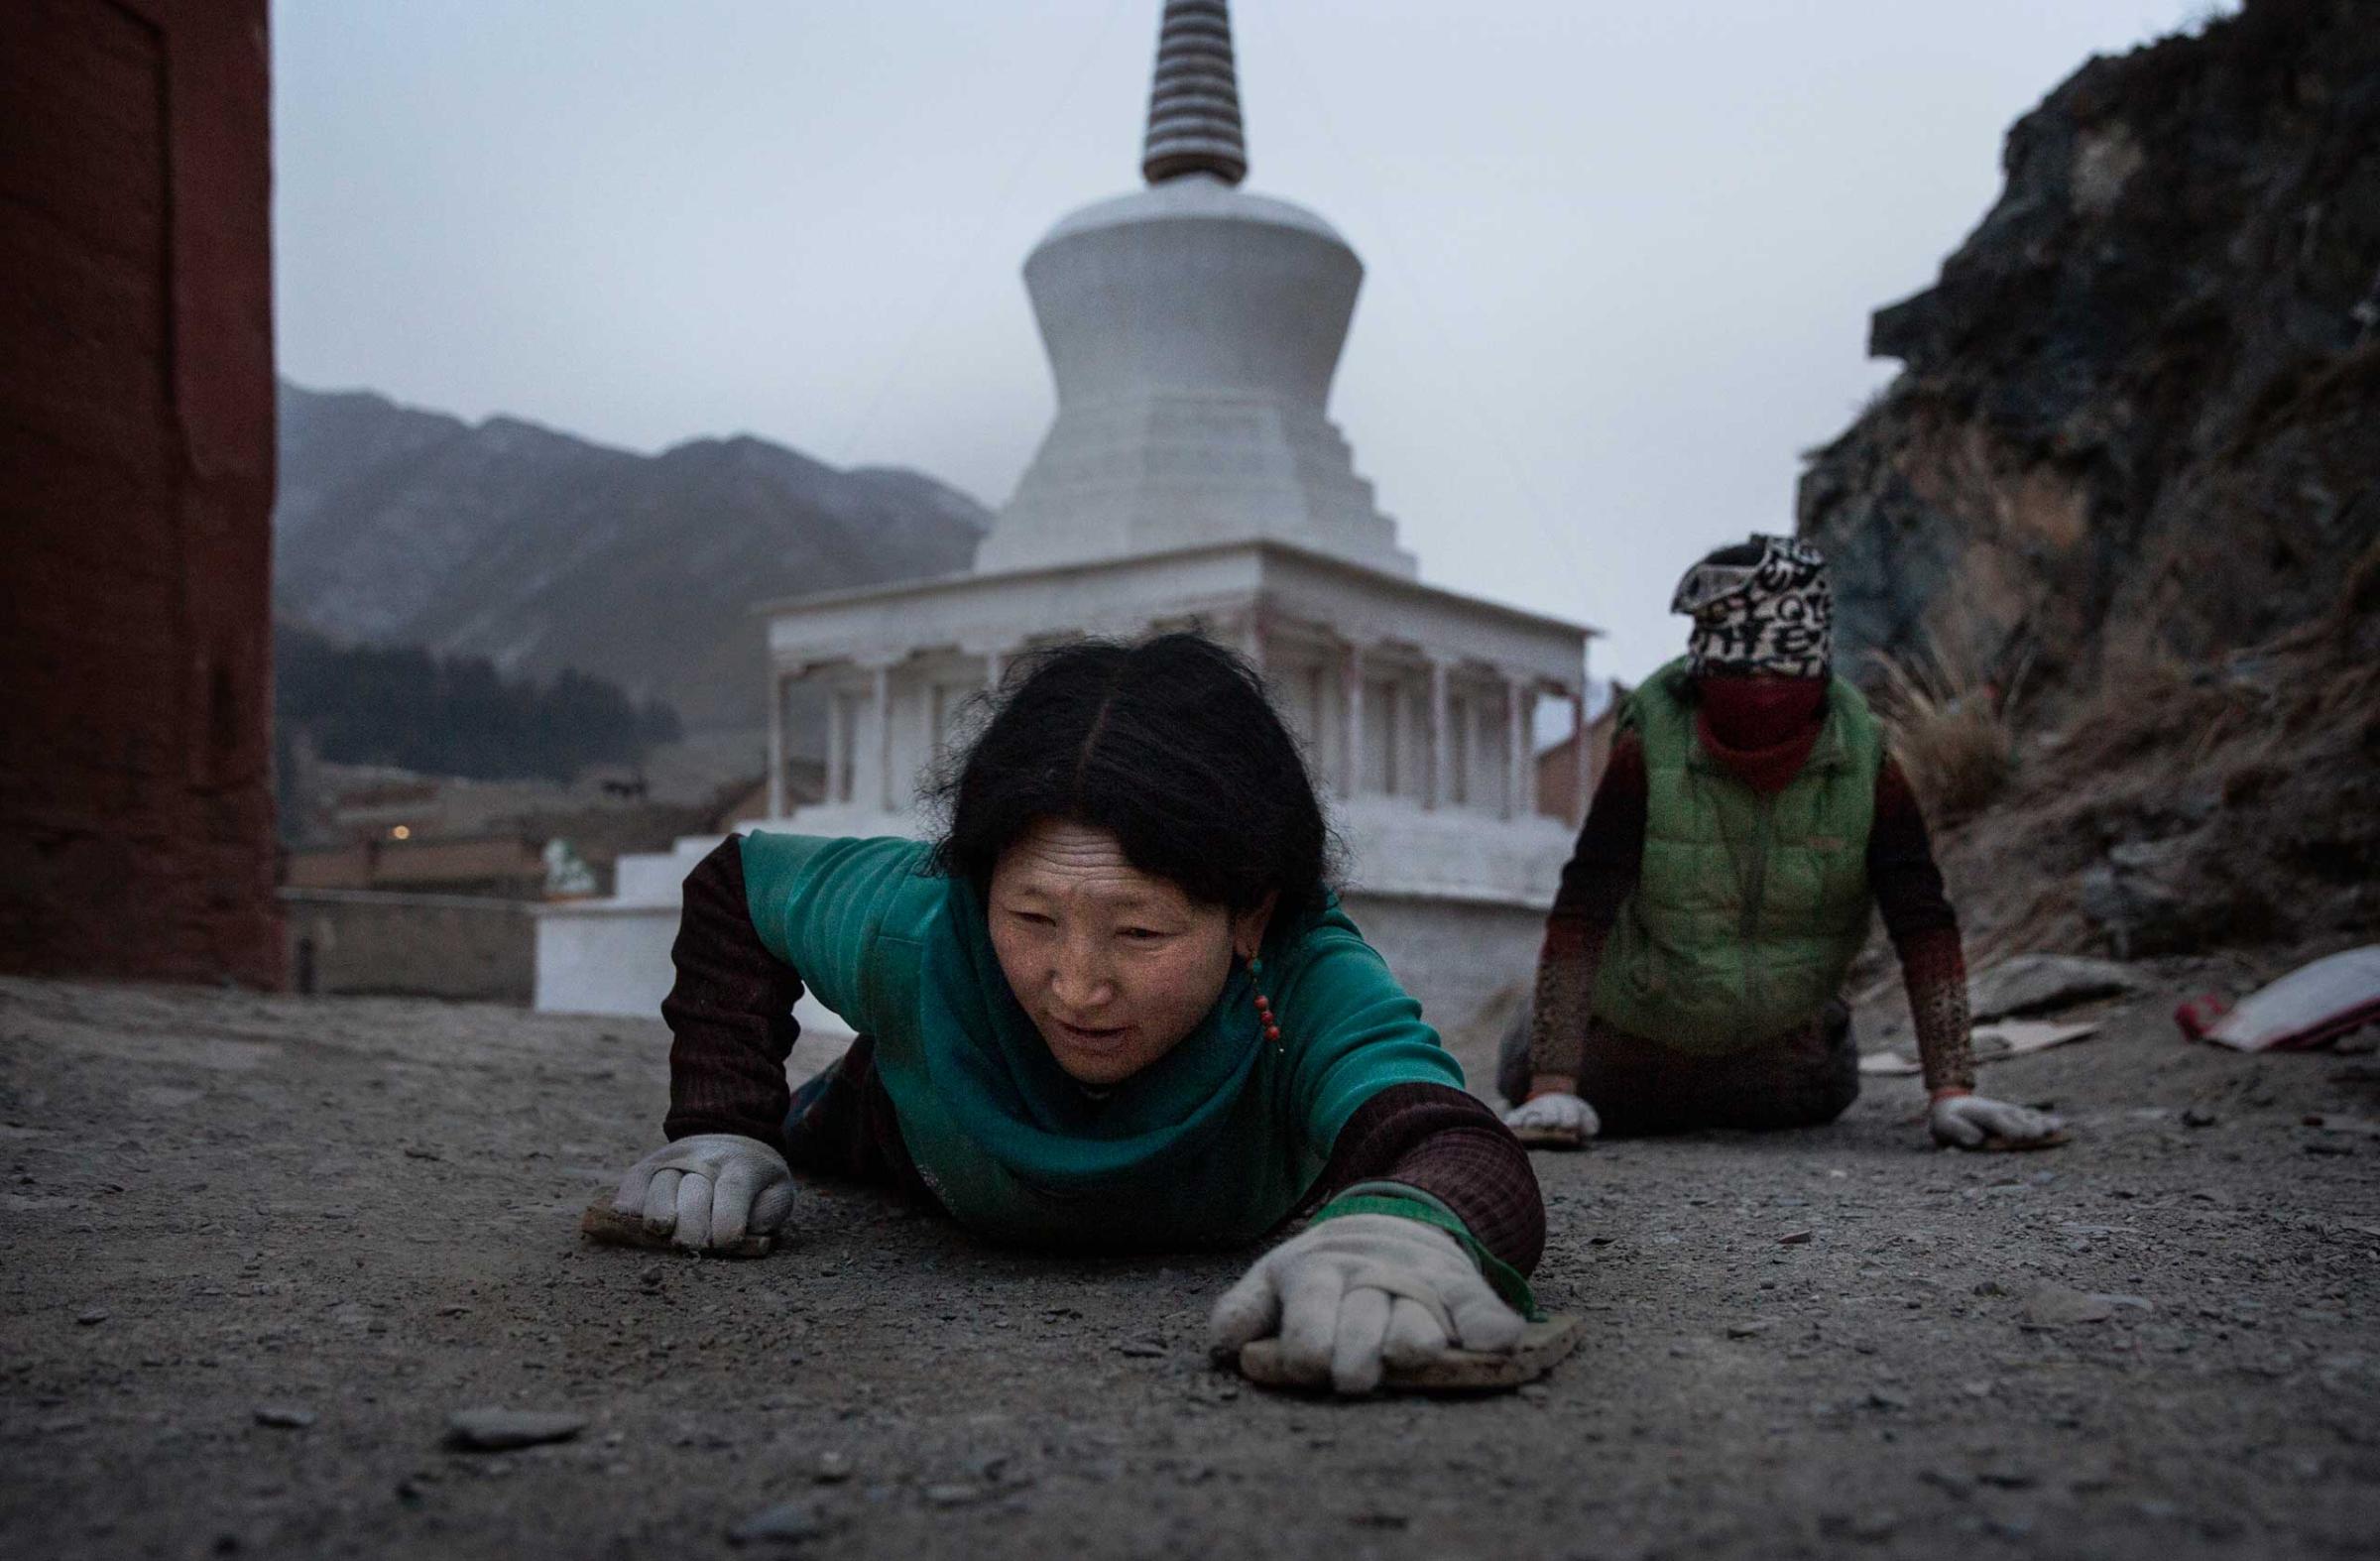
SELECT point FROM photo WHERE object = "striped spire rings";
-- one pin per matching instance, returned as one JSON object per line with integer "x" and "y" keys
{"x": 1194, "y": 102}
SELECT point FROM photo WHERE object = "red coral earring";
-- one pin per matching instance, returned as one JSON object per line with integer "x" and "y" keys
{"x": 1265, "y": 1013}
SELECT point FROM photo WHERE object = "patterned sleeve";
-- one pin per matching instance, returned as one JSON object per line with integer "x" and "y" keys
{"x": 1447, "y": 1143}
{"x": 1907, "y": 884}
{"x": 764, "y": 915}
{"x": 1382, "y": 1100}
{"x": 729, "y": 1012}
{"x": 1600, "y": 875}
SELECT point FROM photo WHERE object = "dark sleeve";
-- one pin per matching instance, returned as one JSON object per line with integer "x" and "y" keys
{"x": 1907, "y": 884}
{"x": 1610, "y": 855}
{"x": 1449, "y": 1145}
{"x": 1600, "y": 875}
{"x": 729, "y": 1012}
{"x": 1901, "y": 871}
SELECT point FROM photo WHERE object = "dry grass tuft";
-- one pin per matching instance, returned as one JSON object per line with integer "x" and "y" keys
{"x": 2245, "y": 714}
{"x": 1948, "y": 717}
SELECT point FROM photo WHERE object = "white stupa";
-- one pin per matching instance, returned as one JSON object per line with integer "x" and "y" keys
{"x": 1193, "y": 330}
{"x": 1190, "y": 479}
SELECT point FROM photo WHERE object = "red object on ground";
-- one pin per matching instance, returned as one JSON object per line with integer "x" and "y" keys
{"x": 2310, "y": 1007}
{"x": 2197, "y": 1014}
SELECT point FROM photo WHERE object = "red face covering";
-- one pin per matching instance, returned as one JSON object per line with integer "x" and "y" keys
{"x": 1760, "y": 728}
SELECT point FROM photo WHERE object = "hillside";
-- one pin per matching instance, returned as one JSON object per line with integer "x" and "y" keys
{"x": 2129, "y": 480}
{"x": 544, "y": 553}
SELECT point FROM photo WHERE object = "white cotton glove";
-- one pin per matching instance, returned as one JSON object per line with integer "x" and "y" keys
{"x": 711, "y": 1189}
{"x": 1358, "y": 1293}
{"x": 1553, "y": 1120}
{"x": 1968, "y": 1122}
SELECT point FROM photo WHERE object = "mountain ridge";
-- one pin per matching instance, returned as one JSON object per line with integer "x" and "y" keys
{"x": 541, "y": 550}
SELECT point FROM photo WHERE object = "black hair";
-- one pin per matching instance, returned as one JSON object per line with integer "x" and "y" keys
{"x": 1171, "y": 746}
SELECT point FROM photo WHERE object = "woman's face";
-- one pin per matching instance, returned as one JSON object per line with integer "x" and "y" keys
{"x": 1114, "y": 966}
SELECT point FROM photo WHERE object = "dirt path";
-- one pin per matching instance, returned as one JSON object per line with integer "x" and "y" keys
{"x": 363, "y": 1210}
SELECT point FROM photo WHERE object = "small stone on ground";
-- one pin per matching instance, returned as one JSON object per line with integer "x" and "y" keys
{"x": 787, "y": 1522}
{"x": 499, "y": 1430}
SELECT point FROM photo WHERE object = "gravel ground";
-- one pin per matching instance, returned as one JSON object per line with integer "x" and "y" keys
{"x": 362, "y": 1212}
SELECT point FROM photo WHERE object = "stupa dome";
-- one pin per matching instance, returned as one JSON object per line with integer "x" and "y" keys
{"x": 1193, "y": 329}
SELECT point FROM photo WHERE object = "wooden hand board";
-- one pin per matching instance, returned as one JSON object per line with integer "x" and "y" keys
{"x": 2000, "y": 1146}
{"x": 606, "y": 1226}
{"x": 1542, "y": 1344}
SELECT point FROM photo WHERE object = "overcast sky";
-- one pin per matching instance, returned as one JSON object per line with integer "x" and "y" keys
{"x": 1620, "y": 258}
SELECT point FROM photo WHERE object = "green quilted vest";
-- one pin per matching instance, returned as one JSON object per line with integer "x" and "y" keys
{"x": 1749, "y": 908}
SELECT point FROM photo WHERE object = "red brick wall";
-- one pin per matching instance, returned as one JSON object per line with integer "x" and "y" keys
{"x": 136, "y": 489}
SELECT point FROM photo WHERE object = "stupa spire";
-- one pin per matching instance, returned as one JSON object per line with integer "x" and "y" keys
{"x": 1194, "y": 101}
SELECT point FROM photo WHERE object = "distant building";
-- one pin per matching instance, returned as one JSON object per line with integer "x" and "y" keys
{"x": 504, "y": 866}
{"x": 425, "y": 885}
{"x": 1191, "y": 480}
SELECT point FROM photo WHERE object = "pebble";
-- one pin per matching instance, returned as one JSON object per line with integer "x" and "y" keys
{"x": 1795, "y": 1239}
{"x": 1873, "y": 1526}
{"x": 1143, "y": 1348}
{"x": 2199, "y": 1117}
{"x": 1751, "y": 1330}
{"x": 952, "y": 1495}
{"x": 285, "y": 1417}
{"x": 92, "y": 1315}
{"x": 1949, "y": 1480}
{"x": 499, "y": 1430}
{"x": 833, "y": 1468}
{"x": 787, "y": 1522}
{"x": 2054, "y": 1306}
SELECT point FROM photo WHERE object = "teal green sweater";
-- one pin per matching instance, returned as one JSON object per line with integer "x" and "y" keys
{"x": 1213, "y": 1145}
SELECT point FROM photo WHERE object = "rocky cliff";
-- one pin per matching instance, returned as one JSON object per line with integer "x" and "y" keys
{"x": 2131, "y": 470}
{"x": 541, "y": 552}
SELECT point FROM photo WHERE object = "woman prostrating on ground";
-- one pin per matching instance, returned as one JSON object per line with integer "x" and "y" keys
{"x": 1748, "y": 828}
{"x": 1115, "y": 1007}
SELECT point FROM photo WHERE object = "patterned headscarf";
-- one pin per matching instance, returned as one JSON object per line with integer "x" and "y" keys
{"x": 1774, "y": 615}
